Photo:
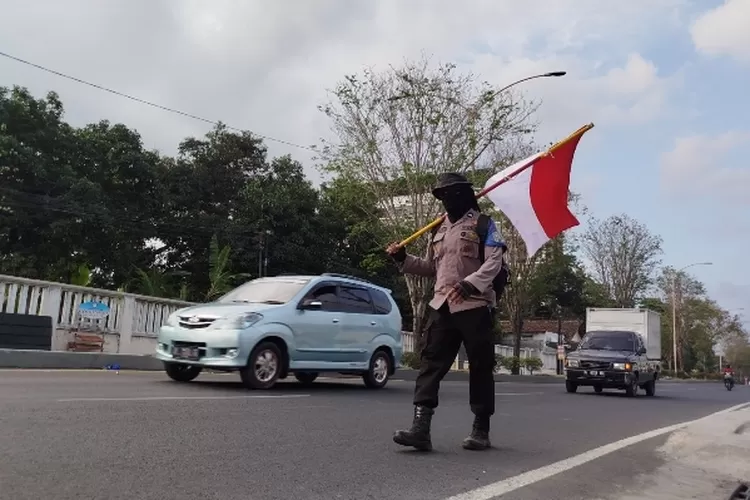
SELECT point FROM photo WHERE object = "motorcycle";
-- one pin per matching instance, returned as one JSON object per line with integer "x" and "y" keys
{"x": 728, "y": 381}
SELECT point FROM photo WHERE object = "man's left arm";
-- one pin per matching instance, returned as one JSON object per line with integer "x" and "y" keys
{"x": 494, "y": 248}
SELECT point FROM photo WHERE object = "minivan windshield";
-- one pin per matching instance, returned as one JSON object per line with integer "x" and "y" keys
{"x": 608, "y": 341}
{"x": 265, "y": 291}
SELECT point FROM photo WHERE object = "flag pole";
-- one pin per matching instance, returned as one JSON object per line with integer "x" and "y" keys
{"x": 505, "y": 179}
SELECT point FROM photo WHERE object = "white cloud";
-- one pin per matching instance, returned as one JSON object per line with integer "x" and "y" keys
{"x": 724, "y": 30}
{"x": 712, "y": 166}
{"x": 264, "y": 66}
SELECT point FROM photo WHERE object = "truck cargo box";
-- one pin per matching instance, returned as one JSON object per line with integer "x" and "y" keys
{"x": 645, "y": 322}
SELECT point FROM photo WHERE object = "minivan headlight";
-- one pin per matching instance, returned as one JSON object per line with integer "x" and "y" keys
{"x": 622, "y": 366}
{"x": 172, "y": 320}
{"x": 239, "y": 322}
{"x": 572, "y": 363}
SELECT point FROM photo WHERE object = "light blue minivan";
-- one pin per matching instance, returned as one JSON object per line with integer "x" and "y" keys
{"x": 271, "y": 327}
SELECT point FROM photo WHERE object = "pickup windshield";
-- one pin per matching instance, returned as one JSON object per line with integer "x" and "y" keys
{"x": 609, "y": 341}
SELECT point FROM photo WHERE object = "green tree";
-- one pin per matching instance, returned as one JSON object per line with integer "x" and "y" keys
{"x": 557, "y": 284}
{"x": 353, "y": 223}
{"x": 278, "y": 223}
{"x": 72, "y": 197}
{"x": 532, "y": 364}
{"x": 220, "y": 275}
{"x": 120, "y": 196}
{"x": 206, "y": 187}
{"x": 38, "y": 239}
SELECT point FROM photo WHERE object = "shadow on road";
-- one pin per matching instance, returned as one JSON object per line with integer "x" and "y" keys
{"x": 622, "y": 395}
{"x": 288, "y": 387}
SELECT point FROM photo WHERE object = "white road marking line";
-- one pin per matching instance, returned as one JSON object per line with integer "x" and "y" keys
{"x": 519, "y": 393}
{"x": 184, "y": 398}
{"x": 510, "y": 484}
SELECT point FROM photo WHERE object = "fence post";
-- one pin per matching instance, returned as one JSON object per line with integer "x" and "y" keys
{"x": 51, "y": 297}
{"x": 126, "y": 324}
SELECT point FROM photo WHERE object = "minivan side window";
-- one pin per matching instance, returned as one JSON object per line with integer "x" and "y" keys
{"x": 327, "y": 295}
{"x": 354, "y": 300}
{"x": 380, "y": 301}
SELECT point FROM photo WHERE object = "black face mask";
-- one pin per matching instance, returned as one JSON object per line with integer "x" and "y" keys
{"x": 458, "y": 201}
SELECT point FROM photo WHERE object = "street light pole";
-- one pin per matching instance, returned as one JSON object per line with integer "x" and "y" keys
{"x": 674, "y": 310}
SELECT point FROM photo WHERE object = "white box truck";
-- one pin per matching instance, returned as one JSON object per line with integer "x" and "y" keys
{"x": 621, "y": 350}
{"x": 644, "y": 322}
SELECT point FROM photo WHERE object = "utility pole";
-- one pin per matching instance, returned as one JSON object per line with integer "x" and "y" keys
{"x": 674, "y": 322}
{"x": 560, "y": 342}
{"x": 263, "y": 252}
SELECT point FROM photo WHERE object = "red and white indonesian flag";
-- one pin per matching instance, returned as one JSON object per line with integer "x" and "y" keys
{"x": 535, "y": 200}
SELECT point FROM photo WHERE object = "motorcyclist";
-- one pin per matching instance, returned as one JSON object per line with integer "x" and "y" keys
{"x": 729, "y": 373}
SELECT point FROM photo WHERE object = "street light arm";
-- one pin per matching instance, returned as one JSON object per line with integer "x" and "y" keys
{"x": 551, "y": 74}
{"x": 695, "y": 264}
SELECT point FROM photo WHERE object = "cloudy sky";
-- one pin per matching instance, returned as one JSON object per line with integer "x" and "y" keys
{"x": 665, "y": 81}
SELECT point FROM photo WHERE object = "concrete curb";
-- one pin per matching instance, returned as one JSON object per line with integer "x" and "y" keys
{"x": 61, "y": 360}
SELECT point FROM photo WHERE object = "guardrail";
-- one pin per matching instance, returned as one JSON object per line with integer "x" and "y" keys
{"x": 130, "y": 328}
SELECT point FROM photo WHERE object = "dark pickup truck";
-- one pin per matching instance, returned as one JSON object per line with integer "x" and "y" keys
{"x": 611, "y": 360}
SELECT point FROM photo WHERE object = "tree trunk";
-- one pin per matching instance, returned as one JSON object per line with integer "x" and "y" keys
{"x": 419, "y": 293}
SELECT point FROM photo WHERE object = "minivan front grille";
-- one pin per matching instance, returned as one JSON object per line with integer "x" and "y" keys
{"x": 192, "y": 322}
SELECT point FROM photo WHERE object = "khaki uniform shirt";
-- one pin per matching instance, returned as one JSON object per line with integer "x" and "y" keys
{"x": 453, "y": 256}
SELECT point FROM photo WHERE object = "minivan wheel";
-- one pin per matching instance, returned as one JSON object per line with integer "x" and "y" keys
{"x": 306, "y": 378}
{"x": 263, "y": 367}
{"x": 181, "y": 372}
{"x": 377, "y": 376}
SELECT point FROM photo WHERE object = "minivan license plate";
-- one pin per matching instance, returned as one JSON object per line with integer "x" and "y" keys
{"x": 188, "y": 353}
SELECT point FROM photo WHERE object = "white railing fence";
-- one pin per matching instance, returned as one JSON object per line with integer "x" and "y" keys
{"x": 130, "y": 328}
{"x": 549, "y": 360}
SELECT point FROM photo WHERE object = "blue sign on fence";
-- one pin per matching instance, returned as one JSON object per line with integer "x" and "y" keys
{"x": 93, "y": 309}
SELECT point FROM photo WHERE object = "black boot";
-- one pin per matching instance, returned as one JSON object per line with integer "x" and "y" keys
{"x": 479, "y": 439}
{"x": 419, "y": 435}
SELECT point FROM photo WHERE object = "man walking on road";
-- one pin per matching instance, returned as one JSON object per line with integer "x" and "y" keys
{"x": 465, "y": 257}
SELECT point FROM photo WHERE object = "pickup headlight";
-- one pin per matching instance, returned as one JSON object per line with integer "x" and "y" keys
{"x": 622, "y": 366}
{"x": 572, "y": 363}
{"x": 238, "y": 322}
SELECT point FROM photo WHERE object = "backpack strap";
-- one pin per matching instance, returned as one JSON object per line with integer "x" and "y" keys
{"x": 483, "y": 227}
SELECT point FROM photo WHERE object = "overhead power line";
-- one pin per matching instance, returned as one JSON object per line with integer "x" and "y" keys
{"x": 143, "y": 101}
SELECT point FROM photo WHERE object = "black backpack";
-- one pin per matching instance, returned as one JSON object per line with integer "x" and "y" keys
{"x": 482, "y": 228}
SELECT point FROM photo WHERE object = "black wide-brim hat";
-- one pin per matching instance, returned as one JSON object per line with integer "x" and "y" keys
{"x": 450, "y": 179}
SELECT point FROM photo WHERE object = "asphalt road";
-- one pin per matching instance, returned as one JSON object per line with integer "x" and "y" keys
{"x": 100, "y": 435}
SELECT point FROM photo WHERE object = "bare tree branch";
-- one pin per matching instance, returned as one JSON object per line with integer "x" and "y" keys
{"x": 623, "y": 255}
{"x": 398, "y": 129}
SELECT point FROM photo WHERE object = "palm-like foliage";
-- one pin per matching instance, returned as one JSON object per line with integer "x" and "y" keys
{"x": 220, "y": 275}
